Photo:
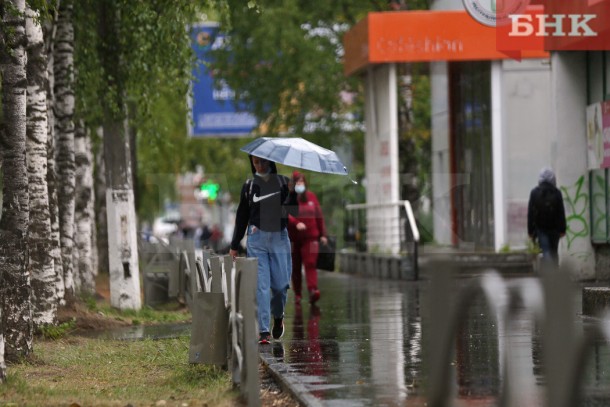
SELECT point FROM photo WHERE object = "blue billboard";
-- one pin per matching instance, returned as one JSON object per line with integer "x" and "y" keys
{"x": 213, "y": 110}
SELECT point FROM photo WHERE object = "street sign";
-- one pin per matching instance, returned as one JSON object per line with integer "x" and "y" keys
{"x": 213, "y": 110}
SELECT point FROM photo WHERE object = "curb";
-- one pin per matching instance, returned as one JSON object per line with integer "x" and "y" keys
{"x": 288, "y": 381}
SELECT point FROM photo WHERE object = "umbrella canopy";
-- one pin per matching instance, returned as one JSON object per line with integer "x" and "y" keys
{"x": 296, "y": 152}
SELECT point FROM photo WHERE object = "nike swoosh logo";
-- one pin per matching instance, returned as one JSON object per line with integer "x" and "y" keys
{"x": 260, "y": 198}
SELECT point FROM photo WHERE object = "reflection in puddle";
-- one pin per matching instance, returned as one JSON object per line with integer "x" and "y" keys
{"x": 363, "y": 346}
{"x": 387, "y": 357}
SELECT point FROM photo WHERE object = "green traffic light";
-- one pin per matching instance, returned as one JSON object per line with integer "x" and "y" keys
{"x": 211, "y": 188}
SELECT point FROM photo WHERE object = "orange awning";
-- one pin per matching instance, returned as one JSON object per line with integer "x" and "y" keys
{"x": 418, "y": 36}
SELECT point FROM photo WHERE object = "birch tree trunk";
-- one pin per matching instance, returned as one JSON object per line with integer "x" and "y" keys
{"x": 50, "y": 31}
{"x": 16, "y": 288}
{"x": 83, "y": 270}
{"x": 41, "y": 267}
{"x": 64, "y": 126}
{"x": 94, "y": 230}
{"x": 91, "y": 212}
{"x": 101, "y": 222}
{"x": 3, "y": 256}
{"x": 121, "y": 215}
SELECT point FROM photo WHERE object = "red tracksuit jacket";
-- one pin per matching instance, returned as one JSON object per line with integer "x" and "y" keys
{"x": 310, "y": 214}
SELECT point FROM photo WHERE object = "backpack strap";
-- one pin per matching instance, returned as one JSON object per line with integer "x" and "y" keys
{"x": 250, "y": 182}
{"x": 282, "y": 180}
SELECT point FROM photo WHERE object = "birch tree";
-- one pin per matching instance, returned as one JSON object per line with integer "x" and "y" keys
{"x": 50, "y": 29}
{"x": 90, "y": 90}
{"x": 83, "y": 220}
{"x": 41, "y": 266}
{"x": 121, "y": 216}
{"x": 16, "y": 288}
{"x": 64, "y": 127}
{"x": 143, "y": 48}
{"x": 101, "y": 237}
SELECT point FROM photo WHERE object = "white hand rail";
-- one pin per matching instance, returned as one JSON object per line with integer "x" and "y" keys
{"x": 405, "y": 204}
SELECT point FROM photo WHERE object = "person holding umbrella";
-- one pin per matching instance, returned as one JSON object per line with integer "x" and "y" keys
{"x": 264, "y": 205}
{"x": 306, "y": 230}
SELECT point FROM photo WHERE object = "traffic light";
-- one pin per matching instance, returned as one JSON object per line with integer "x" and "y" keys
{"x": 209, "y": 190}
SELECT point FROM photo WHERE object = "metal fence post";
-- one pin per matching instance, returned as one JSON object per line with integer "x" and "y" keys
{"x": 248, "y": 270}
{"x": 228, "y": 266}
{"x": 560, "y": 342}
{"x": 210, "y": 315}
{"x": 216, "y": 272}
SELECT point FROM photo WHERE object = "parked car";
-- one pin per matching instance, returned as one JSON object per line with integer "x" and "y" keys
{"x": 163, "y": 227}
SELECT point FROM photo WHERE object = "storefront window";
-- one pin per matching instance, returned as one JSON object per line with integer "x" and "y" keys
{"x": 471, "y": 152}
{"x": 598, "y": 90}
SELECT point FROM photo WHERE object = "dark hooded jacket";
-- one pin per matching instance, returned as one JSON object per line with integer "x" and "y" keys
{"x": 265, "y": 204}
{"x": 546, "y": 212}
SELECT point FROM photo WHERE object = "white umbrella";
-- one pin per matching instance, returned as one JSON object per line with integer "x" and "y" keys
{"x": 296, "y": 152}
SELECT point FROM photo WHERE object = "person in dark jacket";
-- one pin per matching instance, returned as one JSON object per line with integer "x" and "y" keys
{"x": 264, "y": 205}
{"x": 546, "y": 219}
{"x": 306, "y": 231}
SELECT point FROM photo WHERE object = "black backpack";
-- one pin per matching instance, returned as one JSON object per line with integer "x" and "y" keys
{"x": 546, "y": 208}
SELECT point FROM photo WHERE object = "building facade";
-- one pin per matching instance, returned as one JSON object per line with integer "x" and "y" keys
{"x": 495, "y": 123}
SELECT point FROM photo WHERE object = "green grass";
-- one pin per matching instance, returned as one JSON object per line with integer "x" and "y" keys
{"x": 69, "y": 370}
{"x": 168, "y": 313}
{"x": 57, "y": 331}
{"x": 94, "y": 372}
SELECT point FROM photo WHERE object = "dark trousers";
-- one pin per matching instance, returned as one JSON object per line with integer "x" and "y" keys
{"x": 549, "y": 244}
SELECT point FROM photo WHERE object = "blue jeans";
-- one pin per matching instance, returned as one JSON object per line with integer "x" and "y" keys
{"x": 272, "y": 249}
{"x": 549, "y": 244}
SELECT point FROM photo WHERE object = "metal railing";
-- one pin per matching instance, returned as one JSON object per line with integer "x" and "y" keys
{"x": 369, "y": 228}
{"x": 547, "y": 301}
{"x": 221, "y": 295}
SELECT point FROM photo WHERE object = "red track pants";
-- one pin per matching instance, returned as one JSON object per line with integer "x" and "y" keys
{"x": 304, "y": 253}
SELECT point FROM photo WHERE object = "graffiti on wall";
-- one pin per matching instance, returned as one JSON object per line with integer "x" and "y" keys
{"x": 598, "y": 207}
{"x": 576, "y": 201}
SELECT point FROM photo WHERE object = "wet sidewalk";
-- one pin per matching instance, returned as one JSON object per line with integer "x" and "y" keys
{"x": 347, "y": 349}
{"x": 362, "y": 345}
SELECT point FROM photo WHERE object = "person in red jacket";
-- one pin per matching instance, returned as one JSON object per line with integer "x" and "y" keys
{"x": 306, "y": 230}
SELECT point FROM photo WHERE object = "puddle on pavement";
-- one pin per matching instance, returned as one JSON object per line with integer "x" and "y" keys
{"x": 140, "y": 332}
{"x": 362, "y": 345}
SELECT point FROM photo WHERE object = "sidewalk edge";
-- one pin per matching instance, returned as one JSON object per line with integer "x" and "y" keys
{"x": 288, "y": 382}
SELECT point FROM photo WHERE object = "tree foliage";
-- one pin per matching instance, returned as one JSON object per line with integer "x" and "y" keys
{"x": 160, "y": 162}
{"x": 136, "y": 54}
{"x": 283, "y": 59}
{"x": 149, "y": 50}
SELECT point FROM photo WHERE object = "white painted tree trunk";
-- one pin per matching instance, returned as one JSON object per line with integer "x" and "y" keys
{"x": 122, "y": 222}
{"x": 121, "y": 215}
{"x": 50, "y": 34}
{"x": 64, "y": 127}
{"x": 123, "y": 250}
{"x": 41, "y": 267}
{"x": 83, "y": 270}
{"x": 16, "y": 289}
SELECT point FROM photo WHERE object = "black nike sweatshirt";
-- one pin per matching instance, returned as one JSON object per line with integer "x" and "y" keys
{"x": 265, "y": 204}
